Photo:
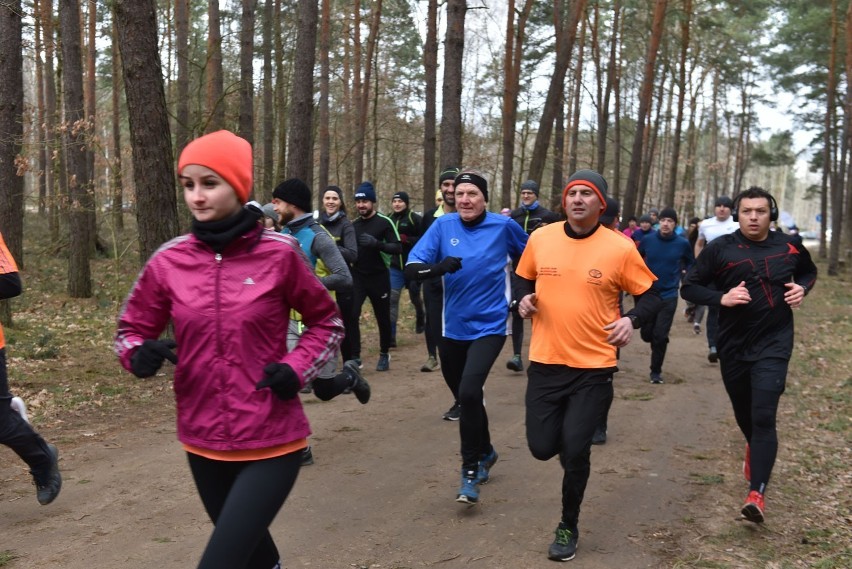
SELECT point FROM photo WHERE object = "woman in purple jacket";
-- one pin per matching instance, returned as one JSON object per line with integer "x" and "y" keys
{"x": 223, "y": 287}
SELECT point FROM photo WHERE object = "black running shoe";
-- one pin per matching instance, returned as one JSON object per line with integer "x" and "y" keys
{"x": 307, "y": 456}
{"x": 453, "y": 413}
{"x": 359, "y": 385}
{"x": 48, "y": 483}
{"x": 564, "y": 547}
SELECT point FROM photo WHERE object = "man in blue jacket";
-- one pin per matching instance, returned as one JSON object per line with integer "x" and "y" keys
{"x": 668, "y": 256}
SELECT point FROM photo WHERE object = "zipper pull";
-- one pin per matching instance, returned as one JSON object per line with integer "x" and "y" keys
{"x": 218, "y": 258}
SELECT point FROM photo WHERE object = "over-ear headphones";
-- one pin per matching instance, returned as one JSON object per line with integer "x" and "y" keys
{"x": 756, "y": 192}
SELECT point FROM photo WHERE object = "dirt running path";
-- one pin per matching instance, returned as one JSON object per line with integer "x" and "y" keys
{"x": 381, "y": 493}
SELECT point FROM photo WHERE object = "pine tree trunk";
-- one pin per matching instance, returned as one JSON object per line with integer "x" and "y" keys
{"x": 430, "y": 138}
{"x": 153, "y": 164}
{"x": 215, "y": 79}
{"x": 301, "y": 106}
{"x": 847, "y": 213}
{"x": 567, "y": 34}
{"x": 669, "y": 197}
{"x": 451, "y": 121}
{"x": 558, "y": 164}
{"x": 512, "y": 59}
{"x": 79, "y": 272}
{"x": 645, "y": 100}
{"x": 182, "y": 128}
{"x": 363, "y": 99}
{"x": 52, "y": 201}
{"x": 577, "y": 97}
{"x": 603, "y": 110}
{"x": 90, "y": 99}
{"x": 280, "y": 94}
{"x": 246, "y": 123}
{"x": 346, "y": 137}
{"x": 324, "y": 132}
{"x": 40, "y": 113}
{"x": 11, "y": 128}
{"x": 117, "y": 178}
{"x": 835, "y": 193}
{"x": 268, "y": 97}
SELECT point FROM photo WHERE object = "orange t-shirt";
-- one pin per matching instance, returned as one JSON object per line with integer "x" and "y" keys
{"x": 7, "y": 265}
{"x": 577, "y": 285}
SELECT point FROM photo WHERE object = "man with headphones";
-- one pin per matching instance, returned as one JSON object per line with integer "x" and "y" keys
{"x": 755, "y": 277}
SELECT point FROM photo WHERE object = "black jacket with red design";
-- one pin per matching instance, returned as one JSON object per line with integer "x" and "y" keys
{"x": 763, "y": 327}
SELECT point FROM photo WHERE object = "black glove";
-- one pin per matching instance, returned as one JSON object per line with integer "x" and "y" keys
{"x": 367, "y": 241}
{"x": 281, "y": 379}
{"x": 148, "y": 358}
{"x": 449, "y": 265}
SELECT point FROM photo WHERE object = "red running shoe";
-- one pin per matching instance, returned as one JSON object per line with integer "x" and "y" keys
{"x": 753, "y": 509}
{"x": 747, "y": 463}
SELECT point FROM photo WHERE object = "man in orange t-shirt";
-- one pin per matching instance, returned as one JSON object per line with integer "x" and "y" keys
{"x": 571, "y": 275}
{"x": 15, "y": 432}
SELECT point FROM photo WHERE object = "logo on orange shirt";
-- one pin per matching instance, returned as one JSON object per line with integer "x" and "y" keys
{"x": 595, "y": 277}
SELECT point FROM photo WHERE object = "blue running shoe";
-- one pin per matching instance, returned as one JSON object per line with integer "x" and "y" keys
{"x": 485, "y": 465}
{"x": 469, "y": 490}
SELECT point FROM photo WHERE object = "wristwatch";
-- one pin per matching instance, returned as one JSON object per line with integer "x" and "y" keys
{"x": 633, "y": 320}
{"x": 804, "y": 288}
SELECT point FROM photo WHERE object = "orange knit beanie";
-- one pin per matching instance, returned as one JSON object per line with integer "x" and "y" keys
{"x": 226, "y": 154}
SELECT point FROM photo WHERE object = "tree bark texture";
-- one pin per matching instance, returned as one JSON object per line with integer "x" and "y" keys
{"x": 182, "y": 126}
{"x": 567, "y": 34}
{"x": 153, "y": 165}
{"x": 603, "y": 109}
{"x": 246, "y": 123}
{"x": 512, "y": 60}
{"x": 40, "y": 113}
{"x": 301, "y": 108}
{"x": 451, "y": 121}
{"x": 324, "y": 114}
{"x": 645, "y": 100}
{"x": 215, "y": 78}
{"x": 268, "y": 119}
{"x": 11, "y": 128}
{"x": 430, "y": 85}
{"x": 669, "y": 197}
{"x": 117, "y": 181}
{"x": 90, "y": 101}
{"x": 363, "y": 87}
{"x": 835, "y": 193}
{"x": 79, "y": 272}
{"x": 847, "y": 213}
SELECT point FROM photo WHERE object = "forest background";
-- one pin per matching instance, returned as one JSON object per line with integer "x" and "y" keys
{"x": 663, "y": 97}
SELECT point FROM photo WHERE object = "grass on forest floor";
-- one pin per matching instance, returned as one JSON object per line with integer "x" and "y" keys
{"x": 808, "y": 507}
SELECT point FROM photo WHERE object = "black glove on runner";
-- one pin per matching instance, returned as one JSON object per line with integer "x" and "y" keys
{"x": 367, "y": 241}
{"x": 148, "y": 358}
{"x": 450, "y": 265}
{"x": 281, "y": 379}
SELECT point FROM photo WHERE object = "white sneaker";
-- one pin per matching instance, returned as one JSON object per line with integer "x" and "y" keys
{"x": 20, "y": 408}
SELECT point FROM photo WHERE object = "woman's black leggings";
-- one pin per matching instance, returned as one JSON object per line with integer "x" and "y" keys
{"x": 242, "y": 498}
{"x": 465, "y": 365}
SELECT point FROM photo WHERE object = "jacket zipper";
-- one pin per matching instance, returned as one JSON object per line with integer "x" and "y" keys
{"x": 218, "y": 258}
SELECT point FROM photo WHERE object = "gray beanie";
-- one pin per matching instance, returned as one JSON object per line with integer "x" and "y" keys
{"x": 530, "y": 185}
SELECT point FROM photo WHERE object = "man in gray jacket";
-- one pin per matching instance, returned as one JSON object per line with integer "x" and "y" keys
{"x": 292, "y": 201}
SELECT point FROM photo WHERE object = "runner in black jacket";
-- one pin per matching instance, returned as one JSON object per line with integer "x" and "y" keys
{"x": 409, "y": 226}
{"x": 377, "y": 242}
{"x": 757, "y": 277}
{"x": 530, "y": 216}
